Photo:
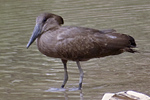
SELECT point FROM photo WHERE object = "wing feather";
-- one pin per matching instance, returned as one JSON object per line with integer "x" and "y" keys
{"x": 84, "y": 43}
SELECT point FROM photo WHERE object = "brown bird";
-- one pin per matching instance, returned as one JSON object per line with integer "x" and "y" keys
{"x": 76, "y": 43}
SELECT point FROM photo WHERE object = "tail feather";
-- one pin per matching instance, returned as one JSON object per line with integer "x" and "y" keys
{"x": 132, "y": 41}
{"x": 130, "y": 50}
{"x": 132, "y": 45}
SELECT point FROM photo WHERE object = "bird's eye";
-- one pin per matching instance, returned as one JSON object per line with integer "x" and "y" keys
{"x": 44, "y": 20}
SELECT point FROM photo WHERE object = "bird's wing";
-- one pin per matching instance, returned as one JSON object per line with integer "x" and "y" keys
{"x": 79, "y": 42}
{"x": 80, "y": 35}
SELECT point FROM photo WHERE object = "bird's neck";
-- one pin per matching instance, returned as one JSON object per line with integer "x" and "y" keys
{"x": 48, "y": 27}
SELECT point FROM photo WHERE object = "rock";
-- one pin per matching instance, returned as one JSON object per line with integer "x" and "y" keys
{"x": 125, "y": 95}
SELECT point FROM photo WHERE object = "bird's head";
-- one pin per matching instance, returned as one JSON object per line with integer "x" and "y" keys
{"x": 44, "y": 22}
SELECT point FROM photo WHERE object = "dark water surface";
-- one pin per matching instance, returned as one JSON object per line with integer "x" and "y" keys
{"x": 26, "y": 74}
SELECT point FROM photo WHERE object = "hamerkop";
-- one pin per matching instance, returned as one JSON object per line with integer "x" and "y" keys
{"x": 76, "y": 43}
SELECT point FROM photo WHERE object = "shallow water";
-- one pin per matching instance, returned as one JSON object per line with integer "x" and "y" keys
{"x": 28, "y": 75}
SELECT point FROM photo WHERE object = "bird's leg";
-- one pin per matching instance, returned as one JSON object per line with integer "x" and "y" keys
{"x": 66, "y": 73}
{"x": 81, "y": 74}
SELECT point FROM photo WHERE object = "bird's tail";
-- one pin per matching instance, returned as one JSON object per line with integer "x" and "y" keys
{"x": 132, "y": 45}
{"x": 132, "y": 41}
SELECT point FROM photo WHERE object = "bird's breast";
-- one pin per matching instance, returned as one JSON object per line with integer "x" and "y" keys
{"x": 46, "y": 44}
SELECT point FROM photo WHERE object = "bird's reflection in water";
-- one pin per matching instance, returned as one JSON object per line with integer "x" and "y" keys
{"x": 64, "y": 91}
{"x": 55, "y": 89}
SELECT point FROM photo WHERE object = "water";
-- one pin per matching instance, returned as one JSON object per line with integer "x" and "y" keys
{"x": 28, "y": 75}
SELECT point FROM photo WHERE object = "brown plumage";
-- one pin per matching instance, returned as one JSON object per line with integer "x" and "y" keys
{"x": 76, "y": 43}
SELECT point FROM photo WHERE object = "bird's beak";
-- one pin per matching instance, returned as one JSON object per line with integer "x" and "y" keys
{"x": 35, "y": 34}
